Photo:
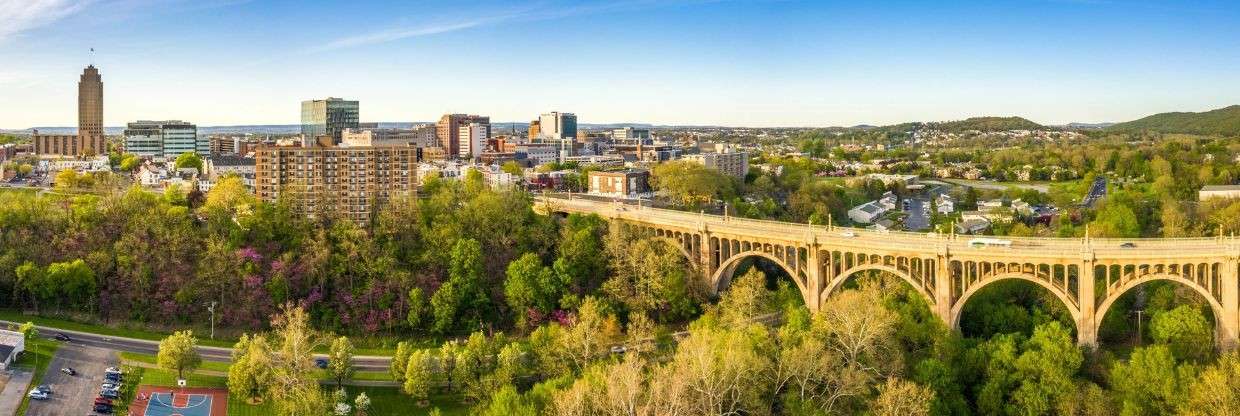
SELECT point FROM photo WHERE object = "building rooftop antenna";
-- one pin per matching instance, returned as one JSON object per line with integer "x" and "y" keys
{"x": 92, "y": 56}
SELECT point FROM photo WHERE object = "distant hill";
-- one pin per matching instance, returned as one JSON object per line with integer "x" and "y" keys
{"x": 989, "y": 124}
{"x": 1223, "y": 121}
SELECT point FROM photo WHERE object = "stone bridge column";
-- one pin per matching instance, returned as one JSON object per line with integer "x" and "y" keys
{"x": 943, "y": 286}
{"x": 1086, "y": 322}
{"x": 704, "y": 263}
{"x": 1230, "y": 321}
{"x": 813, "y": 276}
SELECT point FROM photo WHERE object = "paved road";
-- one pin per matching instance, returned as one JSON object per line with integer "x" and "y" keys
{"x": 360, "y": 363}
{"x": 1097, "y": 191}
{"x": 14, "y": 390}
{"x": 73, "y": 395}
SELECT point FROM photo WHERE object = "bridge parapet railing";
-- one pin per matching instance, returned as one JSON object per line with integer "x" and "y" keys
{"x": 905, "y": 239}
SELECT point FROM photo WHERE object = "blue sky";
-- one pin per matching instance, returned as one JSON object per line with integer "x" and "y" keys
{"x": 738, "y": 62}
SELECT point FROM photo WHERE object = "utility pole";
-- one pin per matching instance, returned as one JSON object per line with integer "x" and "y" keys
{"x": 212, "y": 310}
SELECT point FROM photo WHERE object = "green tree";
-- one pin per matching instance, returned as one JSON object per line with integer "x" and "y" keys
{"x": 1185, "y": 331}
{"x": 400, "y": 360}
{"x": 420, "y": 375}
{"x": 514, "y": 168}
{"x": 1116, "y": 220}
{"x": 179, "y": 352}
{"x": 250, "y": 372}
{"x": 67, "y": 178}
{"x": 340, "y": 360}
{"x": 189, "y": 160}
{"x": 361, "y": 404}
{"x": 530, "y": 285}
{"x": 1151, "y": 383}
{"x": 691, "y": 184}
{"x": 1216, "y": 391}
{"x": 461, "y": 296}
{"x": 417, "y": 308}
{"x": 130, "y": 162}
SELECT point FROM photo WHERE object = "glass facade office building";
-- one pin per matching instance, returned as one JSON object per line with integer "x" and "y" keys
{"x": 167, "y": 139}
{"x": 328, "y": 117}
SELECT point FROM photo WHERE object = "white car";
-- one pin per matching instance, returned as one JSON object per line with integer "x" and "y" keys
{"x": 111, "y": 386}
{"x": 848, "y": 234}
{"x": 38, "y": 395}
{"x": 113, "y": 370}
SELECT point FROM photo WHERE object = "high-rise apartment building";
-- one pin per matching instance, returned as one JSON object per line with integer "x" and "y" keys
{"x": 472, "y": 140}
{"x": 449, "y": 130}
{"x": 89, "y": 139}
{"x": 351, "y": 181}
{"x": 558, "y": 126}
{"x": 725, "y": 160}
{"x": 328, "y": 117}
{"x": 164, "y": 139}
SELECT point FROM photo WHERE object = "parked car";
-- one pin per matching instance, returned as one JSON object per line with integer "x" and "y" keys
{"x": 69, "y": 371}
{"x": 113, "y": 370}
{"x": 44, "y": 388}
{"x": 62, "y": 337}
{"x": 103, "y": 408}
{"x": 38, "y": 395}
{"x": 320, "y": 362}
{"x": 111, "y": 386}
{"x": 103, "y": 400}
{"x": 112, "y": 377}
{"x": 110, "y": 394}
{"x": 1128, "y": 245}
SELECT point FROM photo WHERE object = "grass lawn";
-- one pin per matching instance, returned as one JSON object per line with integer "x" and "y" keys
{"x": 37, "y": 357}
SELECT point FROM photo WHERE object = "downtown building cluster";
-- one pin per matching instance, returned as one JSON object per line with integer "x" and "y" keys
{"x": 340, "y": 166}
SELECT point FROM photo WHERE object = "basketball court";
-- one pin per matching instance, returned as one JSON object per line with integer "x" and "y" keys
{"x": 176, "y": 401}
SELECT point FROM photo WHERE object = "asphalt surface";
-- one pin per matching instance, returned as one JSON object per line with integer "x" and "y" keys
{"x": 918, "y": 215}
{"x": 73, "y": 395}
{"x": 111, "y": 343}
{"x": 1097, "y": 191}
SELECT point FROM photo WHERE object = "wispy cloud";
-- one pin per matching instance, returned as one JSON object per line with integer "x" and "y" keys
{"x": 22, "y": 15}
{"x": 538, "y": 12}
{"x": 398, "y": 34}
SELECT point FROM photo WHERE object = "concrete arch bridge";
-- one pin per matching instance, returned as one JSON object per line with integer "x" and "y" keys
{"x": 1087, "y": 275}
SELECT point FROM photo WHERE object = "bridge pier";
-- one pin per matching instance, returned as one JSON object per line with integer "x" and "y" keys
{"x": 1230, "y": 321}
{"x": 1086, "y": 324}
{"x": 943, "y": 287}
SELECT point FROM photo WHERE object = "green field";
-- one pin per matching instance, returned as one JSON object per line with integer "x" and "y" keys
{"x": 223, "y": 367}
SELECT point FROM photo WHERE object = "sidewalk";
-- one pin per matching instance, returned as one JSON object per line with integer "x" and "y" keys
{"x": 14, "y": 390}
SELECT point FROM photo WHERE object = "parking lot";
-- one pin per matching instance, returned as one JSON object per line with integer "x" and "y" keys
{"x": 73, "y": 395}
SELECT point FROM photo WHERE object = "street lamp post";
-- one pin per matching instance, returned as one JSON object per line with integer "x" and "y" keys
{"x": 212, "y": 310}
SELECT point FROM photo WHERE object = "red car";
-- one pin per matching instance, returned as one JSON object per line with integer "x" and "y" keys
{"x": 103, "y": 400}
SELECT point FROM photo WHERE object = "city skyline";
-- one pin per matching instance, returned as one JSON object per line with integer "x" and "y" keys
{"x": 733, "y": 63}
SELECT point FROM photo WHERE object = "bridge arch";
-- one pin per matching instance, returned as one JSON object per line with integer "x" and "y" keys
{"x": 958, "y": 307}
{"x": 839, "y": 280}
{"x": 727, "y": 269}
{"x": 679, "y": 245}
{"x": 1220, "y": 330}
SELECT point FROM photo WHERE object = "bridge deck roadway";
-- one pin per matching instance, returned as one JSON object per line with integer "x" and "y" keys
{"x": 925, "y": 243}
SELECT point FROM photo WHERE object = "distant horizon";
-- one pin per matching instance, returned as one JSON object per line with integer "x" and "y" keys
{"x": 727, "y": 63}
